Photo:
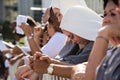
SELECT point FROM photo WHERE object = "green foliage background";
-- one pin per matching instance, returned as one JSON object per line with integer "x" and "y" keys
{"x": 7, "y": 32}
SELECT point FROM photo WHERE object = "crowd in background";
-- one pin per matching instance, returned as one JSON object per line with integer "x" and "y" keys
{"x": 72, "y": 42}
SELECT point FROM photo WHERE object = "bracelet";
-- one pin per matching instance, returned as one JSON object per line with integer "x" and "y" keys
{"x": 31, "y": 36}
{"x": 102, "y": 37}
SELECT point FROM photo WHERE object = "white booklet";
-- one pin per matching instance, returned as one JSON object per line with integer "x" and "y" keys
{"x": 2, "y": 46}
{"x": 20, "y": 19}
{"x": 8, "y": 44}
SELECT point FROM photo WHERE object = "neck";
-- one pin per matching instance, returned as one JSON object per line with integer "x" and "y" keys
{"x": 52, "y": 33}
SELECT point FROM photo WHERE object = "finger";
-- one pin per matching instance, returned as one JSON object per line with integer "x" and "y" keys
{"x": 45, "y": 58}
{"x": 76, "y": 78}
{"x": 23, "y": 69}
{"x": 36, "y": 55}
{"x": 17, "y": 75}
{"x": 30, "y": 60}
{"x": 22, "y": 23}
{"x": 18, "y": 78}
{"x": 30, "y": 57}
{"x": 118, "y": 10}
{"x": 36, "y": 29}
{"x": 27, "y": 74}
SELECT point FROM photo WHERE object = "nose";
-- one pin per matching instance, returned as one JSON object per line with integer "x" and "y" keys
{"x": 106, "y": 20}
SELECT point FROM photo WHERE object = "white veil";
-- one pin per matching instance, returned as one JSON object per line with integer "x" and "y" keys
{"x": 64, "y": 5}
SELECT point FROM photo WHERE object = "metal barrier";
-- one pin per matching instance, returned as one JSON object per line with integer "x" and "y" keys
{"x": 96, "y": 5}
{"x": 53, "y": 77}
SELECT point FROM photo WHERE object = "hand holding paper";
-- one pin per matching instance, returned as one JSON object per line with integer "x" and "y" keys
{"x": 20, "y": 19}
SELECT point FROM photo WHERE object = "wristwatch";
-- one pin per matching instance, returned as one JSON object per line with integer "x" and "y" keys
{"x": 50, "y": 69}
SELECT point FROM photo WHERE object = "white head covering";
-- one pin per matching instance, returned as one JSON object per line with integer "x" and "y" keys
{"x": 82, "y": 21}
{"x": 64, "y": 5}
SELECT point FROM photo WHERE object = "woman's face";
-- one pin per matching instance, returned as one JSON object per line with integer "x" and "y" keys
{"x": 110, "y": 14}
{"x": 75, "y": 39}
{"x": 67, "y": 33}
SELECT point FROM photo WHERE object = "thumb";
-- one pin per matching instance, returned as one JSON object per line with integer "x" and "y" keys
{"x": 45, "y": 58}
{"x": 118, "y": 10}
{"x": 26, "y": 74}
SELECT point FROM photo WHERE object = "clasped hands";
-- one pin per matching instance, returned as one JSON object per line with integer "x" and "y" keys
{"x": 38, "y": 64}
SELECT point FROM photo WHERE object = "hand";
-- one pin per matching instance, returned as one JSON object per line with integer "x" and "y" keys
{"x": 40, "y": 66}
{"x": 113, "y": 29}
{"x": 34, "y": 76}
{"x": 78, "y": 76}
{"x": 27, "y": 29}
{"x": 17, "y": 50}
{"x": 44, "y": 57}
{"x": 40, "y": 63}
{"x": 38, "y": 31}
{"x": 30, "y": 60}
{"x": 46, "y": 15}
{"x": 53, "y": 20}
{"x": 110, "y": 31}
{"x": 13, "y": 60}
{"x": 5, "y": 51}
{"x": 37, "y": 55}
{"x": 24, "y": 71}
{"x": 78, "y": 72}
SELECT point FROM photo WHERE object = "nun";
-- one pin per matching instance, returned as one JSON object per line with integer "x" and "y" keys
{"x": 84, "y": 27}
{"x": 59, "y": 8}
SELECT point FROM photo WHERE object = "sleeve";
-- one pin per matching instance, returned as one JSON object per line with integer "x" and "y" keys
{"x": 7, "y": 64}
{"x": 80, "y": 57}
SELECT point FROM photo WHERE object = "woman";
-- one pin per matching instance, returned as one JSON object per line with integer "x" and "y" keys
{"x": 110, "y": 32}
{"x": 54, "y": 31}
{"x": 79, "y": 37}
{"x": 60, "y": 10}
{"x": 63, "y": 9}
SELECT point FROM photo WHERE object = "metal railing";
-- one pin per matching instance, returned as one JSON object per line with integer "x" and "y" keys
{"x": 96, "y": 5}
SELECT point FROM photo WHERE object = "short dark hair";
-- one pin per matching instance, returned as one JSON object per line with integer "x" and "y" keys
{"x": 106, "y": 1}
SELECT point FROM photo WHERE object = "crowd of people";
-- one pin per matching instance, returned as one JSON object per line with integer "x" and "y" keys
{"x": 72, "y": 42}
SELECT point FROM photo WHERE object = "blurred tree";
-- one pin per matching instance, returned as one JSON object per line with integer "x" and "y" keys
{"x": 6, "y": 31}
{"x": 0, "y": 27}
